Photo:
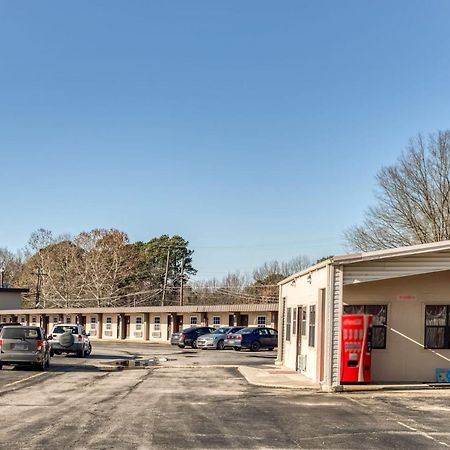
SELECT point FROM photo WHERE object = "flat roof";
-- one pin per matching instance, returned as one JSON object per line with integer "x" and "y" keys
{"x": 373, "y": 256}
{"x": 4, "y": 289}
{"x": 232, "y": 308}
{"x": 392, "y": 252}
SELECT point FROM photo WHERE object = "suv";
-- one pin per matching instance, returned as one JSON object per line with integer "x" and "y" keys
{"x": 24, "y": 345}
{"x": 69, "y": 338}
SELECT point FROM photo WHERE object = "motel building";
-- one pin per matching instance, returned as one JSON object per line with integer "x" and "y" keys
{"x": 405, "y": 290}
{"x": 146, "y": 323}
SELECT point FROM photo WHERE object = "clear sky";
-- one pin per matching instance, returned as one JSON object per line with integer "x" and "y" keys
{"x": 253, "y": 129}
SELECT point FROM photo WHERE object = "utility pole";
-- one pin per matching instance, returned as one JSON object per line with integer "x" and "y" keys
{"x": 2, "y": 272}
{"x": 39, "y": 273}
{"x": 165, "y": 278}
{"x": 182, "y": 282}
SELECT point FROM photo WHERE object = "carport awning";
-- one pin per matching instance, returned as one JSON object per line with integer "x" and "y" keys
{"x": 386, "y": 268}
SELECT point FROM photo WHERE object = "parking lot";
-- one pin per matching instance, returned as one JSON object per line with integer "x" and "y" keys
{"x": 198, "y": 399}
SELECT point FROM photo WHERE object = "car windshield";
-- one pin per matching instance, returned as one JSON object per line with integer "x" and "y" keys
{"x": 65, "y": 329}
{"x": 246, "y": 331}
{"x": 20, "y": 333}
{"x": 187, "y": 330}
{"x": 223, "y": 330}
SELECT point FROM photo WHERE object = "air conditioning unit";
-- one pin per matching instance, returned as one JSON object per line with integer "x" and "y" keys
{"x": 138, "y": 334}
{"x": 301, "y": 363}
{"x": 108, "y": 333}
{"x": 156, "y": 334}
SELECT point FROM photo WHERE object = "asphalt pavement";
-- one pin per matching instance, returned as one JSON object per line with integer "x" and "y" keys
{"x": 198, "y": 399}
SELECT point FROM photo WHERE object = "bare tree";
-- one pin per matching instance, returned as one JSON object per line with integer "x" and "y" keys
{"x": 107, "y": 258}
{"x": 413, "y": 198}
{"x": 10, "y": 265}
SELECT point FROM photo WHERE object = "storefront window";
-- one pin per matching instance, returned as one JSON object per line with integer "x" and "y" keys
{"x": 379, "y": 313}
{"x": 312, "y": 326}
{"x": 288, "y": 324}
{"x": 437, "y": 326}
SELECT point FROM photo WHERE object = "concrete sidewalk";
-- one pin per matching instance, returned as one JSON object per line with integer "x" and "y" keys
{"x": 277, "y": 377}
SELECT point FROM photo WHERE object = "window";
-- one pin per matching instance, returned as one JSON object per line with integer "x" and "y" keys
{"x": 4, "y": 319}
{"x": 304, "y": 321}
{"x": 33, "y": 321}
{"x": 157, "y": 323}
{"x": 437, "y": 326}
{"x": 138, "y": 323}
{"x": 194, "y": 320}
{"x": 261, "y": 321}
{"x": 288, "y": 324}
{"x": 67, "y": 319}
{"x": 22, "y": 320}
{"x": 379, "y": 313}
{"x": 93, "y": 323}
{"x": 263, "y": 332}
{"x": 109, "y": 323}
{"x": 55, "y": 319}
{"x": 216, "y": 322}
{"x": 294, "y": 321}
{"x": 312, "y": 326}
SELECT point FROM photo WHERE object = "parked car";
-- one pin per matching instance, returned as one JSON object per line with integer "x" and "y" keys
{"x": 175, "y": 338}
{"x": 253, "y": 338}
{"x": 69, "y": 338}
{"x": 189, "y": 336}
{"x": 20, "y": 345}
{"x": 216, "y": 339}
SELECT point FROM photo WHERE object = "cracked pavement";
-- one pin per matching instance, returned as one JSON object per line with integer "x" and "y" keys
{"x": 75, "y": 406}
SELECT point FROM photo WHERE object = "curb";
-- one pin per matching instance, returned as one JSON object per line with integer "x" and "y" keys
{"x": 277, "y": 386}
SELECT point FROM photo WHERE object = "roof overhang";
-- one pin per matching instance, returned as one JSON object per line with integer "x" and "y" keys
{"x": 22, "y": 290}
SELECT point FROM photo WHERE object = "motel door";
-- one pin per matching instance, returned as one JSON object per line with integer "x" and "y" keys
{"x": 179, "y": 323}
{"x": 127, "y": 326}
{"x": 243, "y": 320}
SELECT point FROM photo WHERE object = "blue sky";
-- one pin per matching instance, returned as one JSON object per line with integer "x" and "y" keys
{"x": 254, "y": 129}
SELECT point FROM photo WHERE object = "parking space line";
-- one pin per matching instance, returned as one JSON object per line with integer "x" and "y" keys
{"x": 422, "y": 433}
{"x": 25, "y": 379}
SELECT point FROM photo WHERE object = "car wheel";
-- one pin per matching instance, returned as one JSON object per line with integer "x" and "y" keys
{"x": 52, "y": 353}
{"x": 271, "y": 349}
{"x": 220, "y": 345}
{"x": 1, "y": 366}
{"x": 80, "y": 353}
{"x": 255, "y": 346}
{"x": 56, "y": 352}
{"x": 194, "y": 344}
{"x": 180, "y": 345}
{"x": 89, "y": 350}
{"x": 238, "y": 349}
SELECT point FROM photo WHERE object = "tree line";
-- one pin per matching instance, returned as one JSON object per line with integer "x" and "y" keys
{"x": 102, "y": 268}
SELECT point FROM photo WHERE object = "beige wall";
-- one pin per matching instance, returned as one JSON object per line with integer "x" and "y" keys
{"x": 404, "y": 358}
{"x": 304, "y": 292}
{"x": 109, "y": 330}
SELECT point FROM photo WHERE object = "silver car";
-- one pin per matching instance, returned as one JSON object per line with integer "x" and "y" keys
{"x": 24, "y": 346}
{"x": 215, "y": 340}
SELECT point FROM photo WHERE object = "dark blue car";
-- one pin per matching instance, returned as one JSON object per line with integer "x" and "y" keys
{"x": 253, "y": 338}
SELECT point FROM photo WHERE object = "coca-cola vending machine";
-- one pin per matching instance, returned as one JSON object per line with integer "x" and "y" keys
{"x": 356, "y": 349}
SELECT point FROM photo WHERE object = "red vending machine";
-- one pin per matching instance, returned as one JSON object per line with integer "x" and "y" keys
{"x": 356, "y": 348}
